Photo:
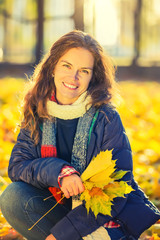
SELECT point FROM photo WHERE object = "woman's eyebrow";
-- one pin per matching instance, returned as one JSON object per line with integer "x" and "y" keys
{"x": 90, "y": 68}
{"x": 66, "y": 62}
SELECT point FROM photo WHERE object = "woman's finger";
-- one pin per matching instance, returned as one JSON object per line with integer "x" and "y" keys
{"x": 72, "y": 185}
{"x": 65, "y": 192}
{"x": 81, "y": 187}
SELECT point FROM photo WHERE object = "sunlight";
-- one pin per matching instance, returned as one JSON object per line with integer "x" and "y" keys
{"x": 156, "y": 7}
{"x": 1, "y": 54}
{"x": 106, "y": 22}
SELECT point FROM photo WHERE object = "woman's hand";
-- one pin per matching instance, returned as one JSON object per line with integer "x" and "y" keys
{"x": 72, "y": 185}
{"x": 50, "y": 237}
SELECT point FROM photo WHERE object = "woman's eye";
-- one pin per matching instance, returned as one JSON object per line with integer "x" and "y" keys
{"x": 85, "y": 71}
{"x": 67, "y": 66}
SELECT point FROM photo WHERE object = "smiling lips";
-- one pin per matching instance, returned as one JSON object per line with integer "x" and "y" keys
{"x": 70, "y": 86}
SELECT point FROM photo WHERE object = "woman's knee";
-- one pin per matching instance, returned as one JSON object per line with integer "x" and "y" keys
{"x": 13, "y": 198}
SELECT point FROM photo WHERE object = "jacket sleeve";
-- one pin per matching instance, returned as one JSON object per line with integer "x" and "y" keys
{"x": 111, "y": 135}
{"x": 27, "y": 165}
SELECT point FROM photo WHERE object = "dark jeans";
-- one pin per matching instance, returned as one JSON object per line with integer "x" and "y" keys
{"x": 22, "y": 205}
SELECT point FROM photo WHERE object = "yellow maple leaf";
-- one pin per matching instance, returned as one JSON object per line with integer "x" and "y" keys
{"x": 117, "y": 189}
{"x": 97, "y": 201}
{"x": 118, "y": 175}
{"x": 100, "y": 205}
{"x": 98, "y": 164}
{"x": 104, "y": 175}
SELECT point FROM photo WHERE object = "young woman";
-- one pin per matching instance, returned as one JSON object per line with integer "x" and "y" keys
{"x": 69, "y": 119}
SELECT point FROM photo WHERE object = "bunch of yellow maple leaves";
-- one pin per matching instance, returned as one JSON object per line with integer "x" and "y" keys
{"x": 101, "y": 185}
{"x": 139, "y": 109}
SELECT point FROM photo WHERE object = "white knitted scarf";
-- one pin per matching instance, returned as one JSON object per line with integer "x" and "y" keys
{"x": 75, "y": 110}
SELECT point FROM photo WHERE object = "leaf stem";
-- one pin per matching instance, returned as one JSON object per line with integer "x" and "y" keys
{"x": 46, "y": 213}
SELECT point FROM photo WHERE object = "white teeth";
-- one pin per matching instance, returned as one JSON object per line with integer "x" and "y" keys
{"x": 70, "y": 86}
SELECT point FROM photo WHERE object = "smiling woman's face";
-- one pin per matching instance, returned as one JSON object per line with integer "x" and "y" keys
{"x": 72, "y": 75}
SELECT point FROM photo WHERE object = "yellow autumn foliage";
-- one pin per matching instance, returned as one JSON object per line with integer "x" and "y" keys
{"x": 155, "y": 237}
{"x": 97, "y": 165}
{"x": 10, "y": 93}
{"x": 140, "y": 113}
{"x": 101, "y": 185}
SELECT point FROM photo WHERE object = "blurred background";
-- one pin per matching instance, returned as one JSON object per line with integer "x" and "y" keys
{"x": 129, "y": 31}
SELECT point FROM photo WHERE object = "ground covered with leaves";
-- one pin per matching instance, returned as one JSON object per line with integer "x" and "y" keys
{"x": 138, "y": 105}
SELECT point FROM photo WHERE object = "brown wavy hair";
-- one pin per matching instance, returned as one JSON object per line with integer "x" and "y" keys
{"x": 100, "y": 88}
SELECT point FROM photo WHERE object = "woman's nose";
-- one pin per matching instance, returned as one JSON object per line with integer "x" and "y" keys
{"x": 75, "y": 75}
